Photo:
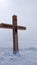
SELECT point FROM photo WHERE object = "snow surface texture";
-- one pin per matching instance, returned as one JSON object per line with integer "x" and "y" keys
{"x": 27, "y": 56}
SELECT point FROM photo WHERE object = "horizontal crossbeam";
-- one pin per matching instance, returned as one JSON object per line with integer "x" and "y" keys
{"x": 9, "y": 26}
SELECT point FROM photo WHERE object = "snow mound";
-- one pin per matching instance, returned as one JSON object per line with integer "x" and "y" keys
{"x": 27, "y": 56}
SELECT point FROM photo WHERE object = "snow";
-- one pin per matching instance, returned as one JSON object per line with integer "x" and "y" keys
{"x": 26, "y": 56}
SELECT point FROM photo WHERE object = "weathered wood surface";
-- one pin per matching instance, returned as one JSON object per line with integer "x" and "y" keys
{"x": 10, "y": 26}
{"x": 15, "y": 33}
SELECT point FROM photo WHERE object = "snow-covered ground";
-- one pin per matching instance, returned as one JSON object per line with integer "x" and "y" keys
{"x": 26, "y": 56}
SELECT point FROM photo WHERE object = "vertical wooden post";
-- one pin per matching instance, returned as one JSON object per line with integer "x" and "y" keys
{"x": 15, "y": 33}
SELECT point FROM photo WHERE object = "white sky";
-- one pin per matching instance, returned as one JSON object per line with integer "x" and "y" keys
{"x": 26, "y": 11}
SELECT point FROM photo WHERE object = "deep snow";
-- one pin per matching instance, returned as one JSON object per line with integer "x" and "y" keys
{"x": 26, "y": 56}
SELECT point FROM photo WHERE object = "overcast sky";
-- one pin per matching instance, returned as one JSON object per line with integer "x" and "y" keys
{"x": 26, "y": 11}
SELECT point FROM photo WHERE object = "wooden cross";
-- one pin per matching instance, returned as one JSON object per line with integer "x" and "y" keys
{"x": 14, "y": 27}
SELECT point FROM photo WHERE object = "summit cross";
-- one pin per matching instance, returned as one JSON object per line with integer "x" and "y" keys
{"x": 15, "y": 29}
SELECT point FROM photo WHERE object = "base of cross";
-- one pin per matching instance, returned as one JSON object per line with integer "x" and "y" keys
{"x": 15, "y": 52}
{"x": 15, "y": 29}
